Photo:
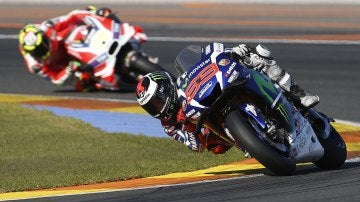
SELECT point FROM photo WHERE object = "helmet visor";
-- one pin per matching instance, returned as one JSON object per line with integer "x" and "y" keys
{"x": 41, "y": 50}
{"x": 156, "y": 93}
{"x": 156, "y": 106}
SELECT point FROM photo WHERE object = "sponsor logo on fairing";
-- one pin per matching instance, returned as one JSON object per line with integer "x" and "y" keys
{"x": 102, "y": 58}
{"x": 218, "y": 47}
{"x": 205, "y": 88}
{"x": 201, "y": 65}
{"x": 99, "y": 60}
{"x": 195, "y": 116}
{"x": 224, "y": 62}
{"x": 251, "y": 108}
{"x": 233, "y": 76}
{"x": 116, "y": 30}
{"x": 207, "y": 50}
{"x": 191, "y": 112}
{"x": 230, "y": 69}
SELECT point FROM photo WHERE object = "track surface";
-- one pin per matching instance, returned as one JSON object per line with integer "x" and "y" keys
{"x": 332, "y": 71}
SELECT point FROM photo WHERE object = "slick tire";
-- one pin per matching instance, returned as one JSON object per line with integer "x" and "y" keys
{"x": 334, "y": 151}
{"x": 142, "y": 65}
{"x": 247, "y": 138}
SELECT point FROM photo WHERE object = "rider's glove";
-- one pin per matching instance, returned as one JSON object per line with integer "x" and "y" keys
{"x": 256, "y": 62}
{"x": 242, "y": 50}
{"x": 185, "y": 137}
{"x": 259, "y": 63}
{"x": 192, "y": 142}
{"x": 35, "y": 69}
{"x": 73, "y": 66}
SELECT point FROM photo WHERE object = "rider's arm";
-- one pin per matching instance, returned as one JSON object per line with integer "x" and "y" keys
{"x": 260, "y": 59}
{"x": 64, "y": 22}
{"x": 257, "y": 57}
{"x": 139, "y": 34}
{"x": 181, "y": 132}
{"x": 56, "y": 74}
{"x": 33, "y": 65}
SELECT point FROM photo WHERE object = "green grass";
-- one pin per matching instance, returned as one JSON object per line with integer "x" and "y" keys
{"x": 40, "y": 150}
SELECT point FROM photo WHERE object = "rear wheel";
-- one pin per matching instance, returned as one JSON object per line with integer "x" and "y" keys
{"x": 142, "y": 64}
{"x": 275, "y": 157}
{"x": 131, "y": 66}
{"x": 334, "y": 151}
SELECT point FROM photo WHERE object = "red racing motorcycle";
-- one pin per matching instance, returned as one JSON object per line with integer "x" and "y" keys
{"x": 110, "y": 54}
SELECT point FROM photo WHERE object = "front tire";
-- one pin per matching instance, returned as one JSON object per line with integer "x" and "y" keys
{"x": 334, "y": 151}
{"x": 249, "y": 139}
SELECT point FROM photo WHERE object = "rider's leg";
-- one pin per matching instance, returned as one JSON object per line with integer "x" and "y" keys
{"x": 285, "y": 81}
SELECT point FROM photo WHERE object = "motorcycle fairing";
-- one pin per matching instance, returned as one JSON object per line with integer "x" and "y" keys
{"x": 198, "y": 84}
{"x": 213, "y": 73}
{"x": 304, "y": 144}
{"x": 217, "y": 69}
{"x": 253, "y": 112}
{"x": 98, "y": 42}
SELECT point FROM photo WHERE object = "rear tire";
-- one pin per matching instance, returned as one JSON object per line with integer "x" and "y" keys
{"x": 249, "y": 139}
{"x": 142, "y": 65}
{"x": 334, "y": 151}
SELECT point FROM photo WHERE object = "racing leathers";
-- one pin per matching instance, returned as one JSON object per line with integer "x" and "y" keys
{"x": 260, "y": 59}
{"x": 183, "y": 130}
{"x": 57, "y": 65}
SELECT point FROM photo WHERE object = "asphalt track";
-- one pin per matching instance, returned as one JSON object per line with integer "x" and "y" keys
{"x": 329, "y": 67}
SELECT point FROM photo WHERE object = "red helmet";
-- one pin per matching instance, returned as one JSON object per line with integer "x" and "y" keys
{"x": 157, "y": 94}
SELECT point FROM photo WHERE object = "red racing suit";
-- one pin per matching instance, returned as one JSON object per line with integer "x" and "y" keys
{"x": 183, "y": 130}
{"x": 54, "y": 67}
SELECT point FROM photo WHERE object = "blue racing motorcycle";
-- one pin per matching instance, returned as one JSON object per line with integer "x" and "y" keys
{"x": 247, "y": 110}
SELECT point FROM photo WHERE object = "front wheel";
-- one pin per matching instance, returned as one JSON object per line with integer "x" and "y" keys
{"x": 334, "y": 151}
{"x": 279, "y": 162}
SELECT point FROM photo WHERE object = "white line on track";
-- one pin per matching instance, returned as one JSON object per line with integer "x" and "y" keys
{"x": 4, "y": 36}
{"x": 139, "y": 188}
{"x": 235, "y": 40}
{"x": 247, "y": 40}
{"x": 357, "y": 159}
{"x": 352, "y": 123}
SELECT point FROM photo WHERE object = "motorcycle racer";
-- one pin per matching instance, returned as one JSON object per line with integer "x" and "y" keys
{"x": 44, "y": 50}
{"x": 157, "y": 94}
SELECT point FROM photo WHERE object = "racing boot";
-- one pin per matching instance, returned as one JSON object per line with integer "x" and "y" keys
{"x": 263, "y": 62}
{"x": 300, "y": 96}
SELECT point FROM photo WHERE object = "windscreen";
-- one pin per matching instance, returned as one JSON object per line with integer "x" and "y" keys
{"x": 187, "y": 58}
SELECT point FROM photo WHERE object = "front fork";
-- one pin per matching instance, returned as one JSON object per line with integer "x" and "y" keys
{"x": 250, "y": 110}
